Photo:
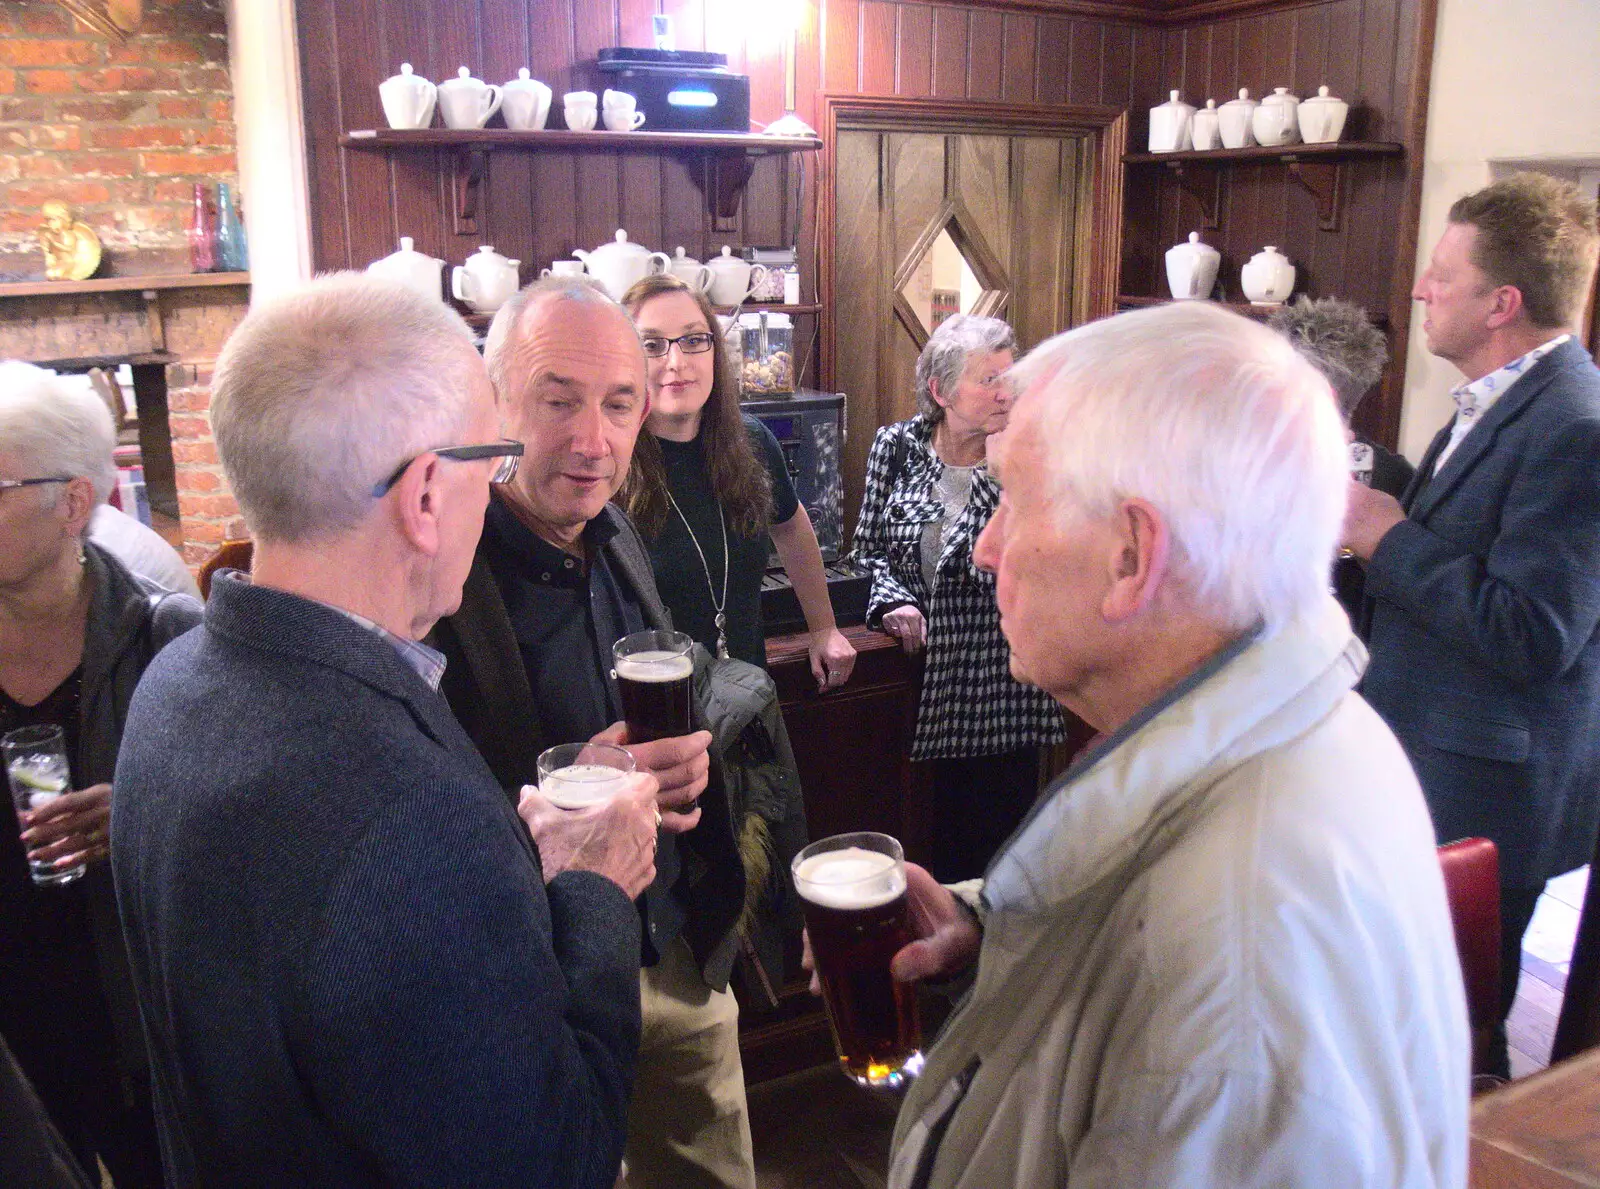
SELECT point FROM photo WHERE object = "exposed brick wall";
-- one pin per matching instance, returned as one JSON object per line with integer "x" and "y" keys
{"x": 120, "y": 131}
{"x": 207, "y": 508}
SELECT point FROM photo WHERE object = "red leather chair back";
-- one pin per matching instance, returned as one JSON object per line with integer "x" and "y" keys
{"x": 1472, "y": 885}
{"x": 230, "y": 555}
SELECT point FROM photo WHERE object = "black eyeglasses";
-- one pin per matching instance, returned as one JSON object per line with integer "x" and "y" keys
{"x": 506, "y": 450}
{"x": 697, "y": 343}
{"x": 8, "y": 484}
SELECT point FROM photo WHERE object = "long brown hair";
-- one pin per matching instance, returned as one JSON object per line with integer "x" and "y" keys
{"x": 739, "y": 480}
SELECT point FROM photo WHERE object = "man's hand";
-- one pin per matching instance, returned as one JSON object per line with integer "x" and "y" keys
{"x": 1369, "y": 515}
{"x": 907, "y": 625}
{"x": 614, "y": 838}
{"x": 681, "y": 766}
{"x": 72, "y": 829}
{"x": 832, "y": 658}
{"x": 947, "y": 937}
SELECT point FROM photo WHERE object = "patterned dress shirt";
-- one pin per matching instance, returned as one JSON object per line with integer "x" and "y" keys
{"x": 1474, "y": 399}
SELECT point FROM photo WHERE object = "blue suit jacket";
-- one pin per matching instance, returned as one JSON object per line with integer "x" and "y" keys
{"x": 350, "y": 968}
{"x": 1485, "y": 658}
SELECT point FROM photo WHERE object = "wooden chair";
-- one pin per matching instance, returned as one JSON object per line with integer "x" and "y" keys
{"x": 230, "y": 555}
{"x": 1471, "y": 869}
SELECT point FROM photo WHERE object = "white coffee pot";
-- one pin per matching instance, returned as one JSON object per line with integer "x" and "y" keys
{"x": 1322, "y": 118}
{"x": 1276, "y": 121}
{"x": 732, "y": 278}
{"x": 413, "y": 269}
{"x": 1235, "y": 119}
{"x": 619, "y": 264}
{"x": 407, "y": 99}
{"x": 690, "y": 271}
{"x": 1192, "y": 268}
{"x": 467, "y": 102}
{"x": 1268, "y": 277}
{"x": 525, "y": 102}
{"x": 486, "y": 281}
{"x": 1170, "y": 126}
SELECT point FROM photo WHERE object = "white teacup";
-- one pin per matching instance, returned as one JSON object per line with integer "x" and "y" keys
{"x": 621, "y": 111}
{"x": 563, "y": 268}
{"x": 579, "y": 110}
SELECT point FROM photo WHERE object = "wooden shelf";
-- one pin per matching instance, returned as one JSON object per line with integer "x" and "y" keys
{"x": 1336, "y": 151}
{"x": 1247, "y": 308}
{"x": 600, "y": 139}
{"x": 199, "y": 280}
{"x": 728, "y": 157}
{"x": 761, "y": 307}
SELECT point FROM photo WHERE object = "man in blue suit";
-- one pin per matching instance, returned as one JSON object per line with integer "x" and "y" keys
{"x": 1484, "y": 578}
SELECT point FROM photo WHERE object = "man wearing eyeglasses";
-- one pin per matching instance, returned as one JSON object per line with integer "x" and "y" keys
{"x": 355, "y": 966}
{"x": 560, "y": 575}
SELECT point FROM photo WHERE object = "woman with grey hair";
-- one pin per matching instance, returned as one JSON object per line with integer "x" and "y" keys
{"x": 76, "y": 632}
{"x": 928, "y": 495}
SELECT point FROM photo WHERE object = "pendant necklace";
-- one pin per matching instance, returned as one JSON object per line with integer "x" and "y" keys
{"x": 717, "y": 605}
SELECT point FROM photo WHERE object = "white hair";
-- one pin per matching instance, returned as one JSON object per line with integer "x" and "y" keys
{"x": 506, "y": 331}
{"x": 1223, "y": 427}
{"x": 944, "y": 358}
{"x": 325, "y": 391}
{"x": 55, "y": 428}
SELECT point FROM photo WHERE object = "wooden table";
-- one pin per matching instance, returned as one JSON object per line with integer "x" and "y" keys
{"x": 1542, "y": 1132}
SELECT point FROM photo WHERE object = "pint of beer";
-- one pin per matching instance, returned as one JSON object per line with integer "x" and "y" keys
{"x": 655, "y": 676}
{"x": 854, "y": 889}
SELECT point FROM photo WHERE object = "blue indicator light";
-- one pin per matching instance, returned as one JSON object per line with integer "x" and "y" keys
{"x": 687, "y": 98}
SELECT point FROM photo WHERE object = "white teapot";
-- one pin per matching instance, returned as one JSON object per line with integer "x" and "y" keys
{"x": 1192, "y": 268}
{"x": 467, "y": 102}
{"x": 619, "y": 264}
{"x": 407, "y": 99}
{"x": 1268, "y": 278}
{"x": 732, "y": 278}
{"x": 486, "y": 281}
{"x": 1170, "y": 126}
{"x": 413, "y": 269}
{"x": 1276, "y": 121}
{"x": 1322, "y": 118}
{"x": 525, "y": 102}
{"x": 690, "y": 271}
{"x": 1234, "y": 120}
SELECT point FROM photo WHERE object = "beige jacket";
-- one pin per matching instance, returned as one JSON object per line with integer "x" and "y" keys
{"x": 1218, "y": 955}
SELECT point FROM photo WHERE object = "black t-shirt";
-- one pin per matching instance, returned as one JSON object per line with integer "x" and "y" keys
{"x": 680, "y": 573}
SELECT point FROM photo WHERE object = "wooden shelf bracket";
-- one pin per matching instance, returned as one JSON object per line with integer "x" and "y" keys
{"x": 726, "y": 175}
{"x": 468, "y": 169}
{"x": 1323, "y": 181}
{"x": 1203, "y": 185}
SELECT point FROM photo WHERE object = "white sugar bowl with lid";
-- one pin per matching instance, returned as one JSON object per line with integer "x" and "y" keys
{"x": 486, "y": 281}
{"x": 1234, "y": 120}
{"x": 1205, "y": 127}
{"x": 467, "y": 102}
{"x": 413, "y": 269}
{"x": 407, "y": 99}
{"x": 1170, "y": 127}
{"x": 690, "y": 271}
{"x": 1276, "y": 121}
{"x": 1268, "y": 277}
{"x": 1192, "y": 268}
{"x": 525, "y": 102}
{"x": 1322, "y": 118}
{"x": 619, "y": 264}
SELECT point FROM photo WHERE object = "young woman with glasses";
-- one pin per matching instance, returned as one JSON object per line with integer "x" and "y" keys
{"x": 709, "y": 485}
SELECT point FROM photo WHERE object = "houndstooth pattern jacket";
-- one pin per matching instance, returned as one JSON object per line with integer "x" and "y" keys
{"x": 971, "y": 705}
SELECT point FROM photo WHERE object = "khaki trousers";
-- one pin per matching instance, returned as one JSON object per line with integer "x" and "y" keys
{"x": 688, "y": 1124}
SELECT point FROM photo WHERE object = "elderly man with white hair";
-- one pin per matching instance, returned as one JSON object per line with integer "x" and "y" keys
{"x": 1218, "y": 950}
{"x": 354, "y": 966}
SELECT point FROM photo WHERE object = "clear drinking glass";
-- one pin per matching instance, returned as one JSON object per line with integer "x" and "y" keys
{"x": 36, "y": 766}
{"x": 577, "y": 775}
{"x": 655, "y": 676}
{"x": 853, "y": 889}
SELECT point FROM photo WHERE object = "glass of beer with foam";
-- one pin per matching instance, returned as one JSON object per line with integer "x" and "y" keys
{"x": 854, "y": 891}
{"x": 655, "y": 676}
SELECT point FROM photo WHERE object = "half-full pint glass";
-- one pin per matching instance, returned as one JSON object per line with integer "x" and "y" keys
{"x": 854, "y": 890}
{"x": 655, "y": 676}
{"x": 36, "y": 765}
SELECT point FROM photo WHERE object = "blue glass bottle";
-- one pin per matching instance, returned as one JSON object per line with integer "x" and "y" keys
{"x": 232, "y": 254}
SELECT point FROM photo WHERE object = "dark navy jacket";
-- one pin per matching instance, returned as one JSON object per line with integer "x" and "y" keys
{"x": 350, "y": 967}
{"x": 1485, "y": 657}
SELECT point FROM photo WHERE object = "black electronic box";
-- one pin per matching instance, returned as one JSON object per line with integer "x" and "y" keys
{"x": 681, "y": 90}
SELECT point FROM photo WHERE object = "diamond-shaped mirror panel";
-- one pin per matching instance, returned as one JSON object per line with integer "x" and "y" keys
{"x": 943, "y": 283}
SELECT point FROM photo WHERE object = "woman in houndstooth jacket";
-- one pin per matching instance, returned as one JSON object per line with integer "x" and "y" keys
{"x": 928, "y": 495}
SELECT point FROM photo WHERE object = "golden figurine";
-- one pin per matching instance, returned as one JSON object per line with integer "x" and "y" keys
{"x": 71, "y": 248}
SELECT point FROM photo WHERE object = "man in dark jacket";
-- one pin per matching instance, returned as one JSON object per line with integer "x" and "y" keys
{"x": 353, "y": 967}
{"x": 561, "y": 574}
{"x": 1485, "y": 655}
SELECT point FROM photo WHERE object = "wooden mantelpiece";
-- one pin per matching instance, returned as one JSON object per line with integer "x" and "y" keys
{"x": 203, "y": 280}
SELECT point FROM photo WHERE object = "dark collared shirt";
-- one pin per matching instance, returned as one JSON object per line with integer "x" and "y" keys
{"x": 566, "y": 615}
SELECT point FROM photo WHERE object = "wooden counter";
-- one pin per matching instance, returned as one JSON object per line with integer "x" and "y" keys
{"x": 1542, "y": 1132}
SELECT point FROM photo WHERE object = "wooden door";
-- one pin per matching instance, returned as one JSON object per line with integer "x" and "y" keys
{"x": 1021, "y": 204}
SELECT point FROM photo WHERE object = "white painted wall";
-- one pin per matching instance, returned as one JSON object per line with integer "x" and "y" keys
{"x": 1512, "y": 80}
{"x": 264, "y": 59}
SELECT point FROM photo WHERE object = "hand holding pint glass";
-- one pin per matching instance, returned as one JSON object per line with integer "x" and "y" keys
{"x": 655, "y": 676}
{"x": 858, "y": 918}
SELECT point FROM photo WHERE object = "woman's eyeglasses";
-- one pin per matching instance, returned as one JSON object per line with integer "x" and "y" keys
{"x": 506, "y": 450}
{"x": 697, "y": 343}
{"x": 7, "y": 484}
